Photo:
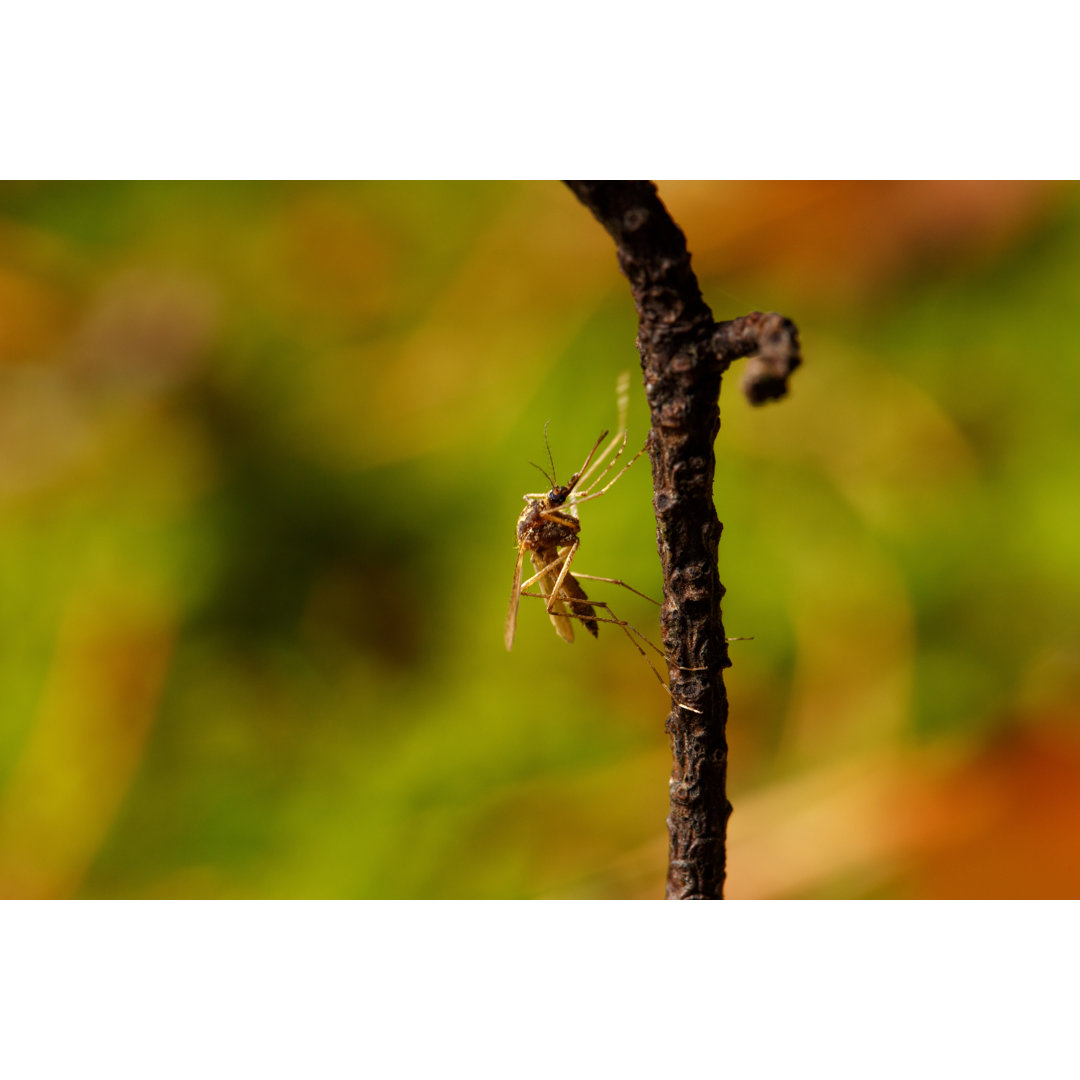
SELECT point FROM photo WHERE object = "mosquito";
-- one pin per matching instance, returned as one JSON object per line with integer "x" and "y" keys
{"x": 549, "y": 529}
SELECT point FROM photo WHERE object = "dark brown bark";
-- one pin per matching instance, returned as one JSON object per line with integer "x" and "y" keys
{"x": 684, "y": 353}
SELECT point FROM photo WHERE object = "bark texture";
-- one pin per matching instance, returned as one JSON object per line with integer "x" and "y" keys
{"x": 684, "y": 354}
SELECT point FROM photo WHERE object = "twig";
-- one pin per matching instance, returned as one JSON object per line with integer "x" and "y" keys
{"x": 684, "y": 352}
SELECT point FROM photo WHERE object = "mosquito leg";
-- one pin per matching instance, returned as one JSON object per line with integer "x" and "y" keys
{"x": 622, "y": 399}
{"x": 540, "y": 573}
{"x": 622, "y": 622}
{"x": 596, "y": 494}
{"x": 556, "y": 597}
{"x": 629, "y": 630}
{"x": 567, "y": 559}
{"x": 616, "y": 581}
{"x": 622, "y": 405}
{"x": 557, "y": 561}
{"x": 626, "y": 628}
{"x": 619, "y": 440}
{"x": 614, "y": 620}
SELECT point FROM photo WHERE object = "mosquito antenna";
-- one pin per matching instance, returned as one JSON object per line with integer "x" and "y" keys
{"x": 551, "y": 483}
{"x": 550, "y": 458}
{"x": 543, "y": 472}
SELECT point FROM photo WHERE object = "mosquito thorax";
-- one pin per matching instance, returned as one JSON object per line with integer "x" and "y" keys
{"x": 530, "y": 518}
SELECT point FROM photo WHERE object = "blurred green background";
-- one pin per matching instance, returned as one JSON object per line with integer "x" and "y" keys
{"x": 262, "y": 449}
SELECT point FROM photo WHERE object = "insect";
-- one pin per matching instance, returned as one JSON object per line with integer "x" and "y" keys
{"x": 549, "y": 530}
{"x": 544, "y": 528}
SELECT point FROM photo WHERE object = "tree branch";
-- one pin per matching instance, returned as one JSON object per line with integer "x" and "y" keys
{"x": 684, "y": 353}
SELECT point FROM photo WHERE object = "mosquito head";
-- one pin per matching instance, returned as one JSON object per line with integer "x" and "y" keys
{"x": 560, "y": 493}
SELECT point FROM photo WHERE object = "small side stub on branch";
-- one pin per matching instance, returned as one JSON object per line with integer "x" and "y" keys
{"x": 771, "y": 343}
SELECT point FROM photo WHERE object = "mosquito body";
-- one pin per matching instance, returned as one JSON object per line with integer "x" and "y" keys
{"x": 549, "y": 530}
{"x": 543, "y": 529}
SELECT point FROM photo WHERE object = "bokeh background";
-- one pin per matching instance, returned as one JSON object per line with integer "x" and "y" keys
{"x": 262, "y": 449}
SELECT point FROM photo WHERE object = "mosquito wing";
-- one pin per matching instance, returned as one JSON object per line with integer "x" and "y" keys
{"x": 562, "y": 622}
{"x": 515, "y": 600}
